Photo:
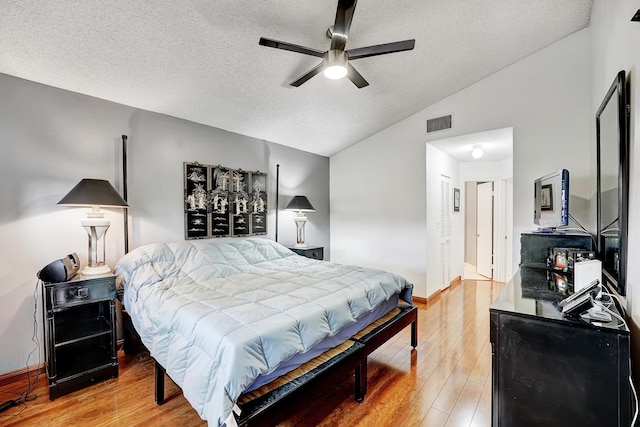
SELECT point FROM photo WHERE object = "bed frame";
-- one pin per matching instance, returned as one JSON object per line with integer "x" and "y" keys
{"x": 275, "y": 405}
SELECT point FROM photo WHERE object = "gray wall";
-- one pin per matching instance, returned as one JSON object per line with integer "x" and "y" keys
{"x": 51, "y": 138}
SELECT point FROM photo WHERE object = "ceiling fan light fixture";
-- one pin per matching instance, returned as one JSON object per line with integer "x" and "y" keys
{"x": 335, "y": 72}
{"x": 477, "y": 151}
{"x": 335, "y": 64}
{"x": 335, "y": 61}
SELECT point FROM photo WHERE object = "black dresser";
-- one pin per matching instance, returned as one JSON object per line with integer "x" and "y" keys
{"x": 552, "y": 371}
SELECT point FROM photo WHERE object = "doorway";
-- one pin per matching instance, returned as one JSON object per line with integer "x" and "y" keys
{"x": 452, "y": 157}
{"x": 479, "y": 230}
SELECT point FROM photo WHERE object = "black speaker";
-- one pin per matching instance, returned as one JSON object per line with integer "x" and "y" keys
{"x": 60, "y": 270}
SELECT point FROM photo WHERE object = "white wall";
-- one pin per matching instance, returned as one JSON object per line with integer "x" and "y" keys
{"x": 378, "y": 203}
{"x": 615, "y": 46}
{"x": 377, "y": 186}
{"x": 52, "y": 138}
{"x": 486, "y": 171}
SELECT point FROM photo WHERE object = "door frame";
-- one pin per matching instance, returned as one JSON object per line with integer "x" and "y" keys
{"x": 502, "y": 228}
{"x": 445, "y": 253}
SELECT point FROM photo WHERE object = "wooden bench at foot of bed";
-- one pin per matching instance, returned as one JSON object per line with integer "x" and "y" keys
{"x": 378, "y": 333}
{"x": 272, "y": 402}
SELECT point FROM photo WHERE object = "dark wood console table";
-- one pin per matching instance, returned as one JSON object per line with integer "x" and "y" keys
{"x": 552, "y": 371}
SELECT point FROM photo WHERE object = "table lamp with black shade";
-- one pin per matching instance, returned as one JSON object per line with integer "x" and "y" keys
{"x": 301, "y": 205}
{"x": 94, "y": 193}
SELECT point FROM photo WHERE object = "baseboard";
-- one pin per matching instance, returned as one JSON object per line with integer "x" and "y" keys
{"x": 434, "y": 296}
{"x": 420, "y": 300}
{"x": 21, "y": 374}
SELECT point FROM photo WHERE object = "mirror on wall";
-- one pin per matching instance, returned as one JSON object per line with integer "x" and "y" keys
{"x": 613, "y": 183}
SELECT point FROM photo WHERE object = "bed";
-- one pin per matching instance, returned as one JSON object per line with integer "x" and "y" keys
{"x": 224, "y": 320}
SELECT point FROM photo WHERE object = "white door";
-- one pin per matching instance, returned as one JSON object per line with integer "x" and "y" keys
{"x": 484, "y": 253}
{"x": 445, "y": 231}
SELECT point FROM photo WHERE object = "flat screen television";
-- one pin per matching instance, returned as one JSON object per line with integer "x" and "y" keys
{"x": 551, "y": 200}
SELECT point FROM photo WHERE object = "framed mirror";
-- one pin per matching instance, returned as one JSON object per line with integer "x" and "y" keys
{"x": 613, "y": 183}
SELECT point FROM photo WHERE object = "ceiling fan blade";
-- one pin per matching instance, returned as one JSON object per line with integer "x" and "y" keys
{"x": 381, "y": 49}
{"x": 342, "y": 24}
{"x": 306, "y": 76}
{"x": 356, "y": 77}
{"x": 291, "y": 47}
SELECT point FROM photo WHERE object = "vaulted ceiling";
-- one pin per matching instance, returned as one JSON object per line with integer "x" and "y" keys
{"x": 200, "y": 60}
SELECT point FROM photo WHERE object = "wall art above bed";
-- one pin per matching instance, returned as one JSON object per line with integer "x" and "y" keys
{"x": 223, "y": 202}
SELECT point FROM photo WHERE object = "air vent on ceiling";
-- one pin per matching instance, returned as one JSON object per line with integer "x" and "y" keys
{"x": 439, "y": 123}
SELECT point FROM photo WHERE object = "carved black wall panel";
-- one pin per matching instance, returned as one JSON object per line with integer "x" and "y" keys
{"x": 196, "y": 204}
{"x": 223, "y": 202}
{"x": 220, "y": 216}
{"x": 258, "y": 203}
{"x": 240, "y": 202}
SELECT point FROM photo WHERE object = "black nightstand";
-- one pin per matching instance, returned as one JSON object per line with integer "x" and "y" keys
{"x": 313, "y": 252}
{"x": 80, "y": 332}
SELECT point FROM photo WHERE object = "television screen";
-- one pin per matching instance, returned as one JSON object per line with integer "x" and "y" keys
{"x": 551, "y": 200}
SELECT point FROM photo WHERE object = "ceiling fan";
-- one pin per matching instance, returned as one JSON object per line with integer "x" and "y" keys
{"x": 336, "y": 61}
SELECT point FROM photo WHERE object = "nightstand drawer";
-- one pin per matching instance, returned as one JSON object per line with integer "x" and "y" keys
{"x": 317, "y": 253}
{"x": 313, "y": 252}
{"x": 69, "y": 294}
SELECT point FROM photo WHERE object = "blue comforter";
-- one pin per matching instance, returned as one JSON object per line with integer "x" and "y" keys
{"x": 218, "y": 315}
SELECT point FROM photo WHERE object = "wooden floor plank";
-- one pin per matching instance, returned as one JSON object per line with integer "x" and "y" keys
{"x": 446, "y": 381}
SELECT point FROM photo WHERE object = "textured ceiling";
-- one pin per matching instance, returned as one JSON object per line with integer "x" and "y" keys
{"x": 200, "y": 60}
{"x": 497, "y": 145}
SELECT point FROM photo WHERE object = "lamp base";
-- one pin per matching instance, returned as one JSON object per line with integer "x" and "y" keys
{"x": 95, "y": 271}
{"x": 300, "y": 221}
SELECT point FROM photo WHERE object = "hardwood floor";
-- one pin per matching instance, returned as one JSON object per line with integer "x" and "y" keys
{"x": 446, "y": 381}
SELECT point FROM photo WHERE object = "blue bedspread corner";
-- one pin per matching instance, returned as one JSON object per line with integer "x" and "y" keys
{"x": 407, "y": 293}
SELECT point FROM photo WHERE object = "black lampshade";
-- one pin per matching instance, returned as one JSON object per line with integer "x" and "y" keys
{"x": 301, "y": 204}
{"x": 93, "y": 192}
